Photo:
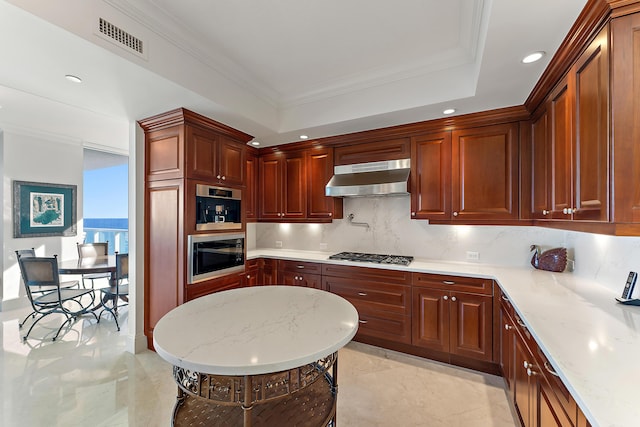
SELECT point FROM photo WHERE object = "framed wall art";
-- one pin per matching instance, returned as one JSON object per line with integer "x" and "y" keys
{"x": 42, "y": 209}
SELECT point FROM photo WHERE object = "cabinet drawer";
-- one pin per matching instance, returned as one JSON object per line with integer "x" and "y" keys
{"x": 367, "y": 273}
{"x": 390, "y": 326}
{"x": 371, "y": 295}
{"x": 454, "y": 283}
{"x": 299, "y": 267}
{"x": 561, "y": 393}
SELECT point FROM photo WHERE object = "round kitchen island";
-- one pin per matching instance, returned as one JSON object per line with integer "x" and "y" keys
{"x": 257, "y": 356}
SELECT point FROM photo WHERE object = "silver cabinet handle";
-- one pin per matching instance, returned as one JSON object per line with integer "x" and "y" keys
{"x": 279, "y": 214}
{"x": 521, "y": 323}
{"x": 503, "y": 298}
{"x": 413, "y": 214}
{"x": 550, "y": 369}
{"x": 248, "y": 276}
{"x": 362, "y": 294}
{"x": 364, "y": 322}
{"x": 224, "y": 177}
{"x": 448, "y": 282}
{"x": 330, "y": 213}
{"x": 454, "y": 299}
{"x": 300, "y": 266}
{"x": 455, "y": 214}
{"x": 528, "y": 365}
{"x": 531, "y": 372}
{"x": 445, "y": 297}
{"x": 218, "y": 176}
{"x": 508, "y": 327}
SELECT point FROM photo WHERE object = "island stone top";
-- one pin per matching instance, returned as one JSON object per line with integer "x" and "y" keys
{"x": 255, "y": 330}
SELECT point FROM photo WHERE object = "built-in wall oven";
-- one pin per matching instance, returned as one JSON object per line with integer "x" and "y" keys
{"x": 218, "y": 208}
{"x": 214, "y": 255}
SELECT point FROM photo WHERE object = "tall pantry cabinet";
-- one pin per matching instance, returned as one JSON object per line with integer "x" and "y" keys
{"x": 181, "y": 148}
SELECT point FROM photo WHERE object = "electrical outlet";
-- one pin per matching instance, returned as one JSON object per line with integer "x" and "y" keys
{"x": 323, "y": 246}
{"x": 278, "y": 243}
{"x": 473, "y": 256}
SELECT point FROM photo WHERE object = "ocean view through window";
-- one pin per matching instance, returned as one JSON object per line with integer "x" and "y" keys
{"x": 105, "y": 200}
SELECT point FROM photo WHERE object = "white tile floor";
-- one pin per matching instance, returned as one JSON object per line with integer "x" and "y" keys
{"x": 87, "y": 378}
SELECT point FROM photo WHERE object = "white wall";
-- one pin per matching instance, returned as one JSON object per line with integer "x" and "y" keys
{"x": 34, "y": 157}
{"x": 607, "y": 259}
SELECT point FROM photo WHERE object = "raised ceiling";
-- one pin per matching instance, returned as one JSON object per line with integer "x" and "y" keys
{"x": 273, "y": 69}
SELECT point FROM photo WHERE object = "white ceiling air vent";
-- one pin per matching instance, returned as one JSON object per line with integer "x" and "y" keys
{"x": 120, "y": 37}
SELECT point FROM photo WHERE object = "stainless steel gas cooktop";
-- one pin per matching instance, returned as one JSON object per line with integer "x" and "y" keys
{"x": 375, "y": 258}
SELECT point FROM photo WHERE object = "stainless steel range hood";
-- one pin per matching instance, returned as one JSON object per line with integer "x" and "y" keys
{"x": 388, "y": 178}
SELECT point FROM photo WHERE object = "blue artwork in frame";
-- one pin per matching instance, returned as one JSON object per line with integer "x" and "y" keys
{"x": 42, "y": 209}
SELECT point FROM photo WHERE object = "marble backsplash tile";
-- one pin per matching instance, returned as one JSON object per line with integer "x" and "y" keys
{"x": 607, "y": 259}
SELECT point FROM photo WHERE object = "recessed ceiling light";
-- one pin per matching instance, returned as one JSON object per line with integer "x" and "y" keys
{"x": 73, "y": 78}
{"x": 449, "y": 111}
{"x": 303, "y": 137}
{"x": 255, "y": 143}
{"x": 533, "y": 57}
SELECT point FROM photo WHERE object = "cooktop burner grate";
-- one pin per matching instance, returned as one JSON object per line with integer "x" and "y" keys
{"x": 374, "y": 258}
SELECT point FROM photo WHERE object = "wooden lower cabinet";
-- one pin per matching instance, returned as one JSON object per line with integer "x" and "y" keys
{"x": 207, "y": 287}
{"x": 382, "y": 298}
{"x": 447, "y": 320}
{"x": 539, "y": 397}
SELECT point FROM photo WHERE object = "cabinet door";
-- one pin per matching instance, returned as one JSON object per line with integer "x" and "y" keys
{"x": 591, "y": 154}
{"x": 430, "y": 319}
{"x": 471, "y": 326}
{"x": 231, "y": 161}
{"x": 625, "y": 98}
{"x": 202, "y": 154}
{"x": 431, "y": 176}
{"x": 561, "y": 124}
{"x": 540, "y": 174}
{"x": 164, "y": 154}
{"x": 288, "y": 278}
{"x": 269, "y": 272}
{"x": 294, "y": 189}
{"x": 250, "y": 195}
{"x": 485, "y": 173}
{"x": 270, "y": 187}
{"x": 319, "y": 172}
{"x": 165, "y": 261}
{"x": 507, "y": 347}
{"x": 548, "y": 411}
{"x": 523, "y": 395}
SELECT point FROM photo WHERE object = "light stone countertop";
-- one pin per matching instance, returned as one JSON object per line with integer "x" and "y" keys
{"x": 256, "y": 330}
{"x": 592, "y": 342}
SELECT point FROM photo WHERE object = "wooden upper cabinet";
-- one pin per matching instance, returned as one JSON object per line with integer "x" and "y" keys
{"x": 591, "y": 153}
{"x": 294, "y": 188}
{"x": 431, "y": 176}
{"x": 270, "y": 187}
{"x": 561, "y": 128}
{"x": 578, "y": 125}
{"x": 626, "y": 120}
{"x": 213, "y": 157}
{"x": 282, "y": 187}
{"x": 184, "y": 144}
{"x": 319, "y": 172}
{"x": 164, "y": 158}
{"x": 485, "y": 173}
{"x": 231, "y": 161}
{"x": 389, "y": 149}
{"x": 250, "y": 196}
{"x": 540, "y": 173}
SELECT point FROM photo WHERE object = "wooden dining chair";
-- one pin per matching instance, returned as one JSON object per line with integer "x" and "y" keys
{"x": 118, "y": 290}
{"x": 42, "y": 272}
{"x": 92, "y": 251}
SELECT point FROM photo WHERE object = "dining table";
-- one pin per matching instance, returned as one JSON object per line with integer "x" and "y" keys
{"x": 101, "y": 264}
{"x": 256, "y": 356}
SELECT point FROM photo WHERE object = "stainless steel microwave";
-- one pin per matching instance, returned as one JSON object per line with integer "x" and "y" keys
{"x": 214, "y": 255}
{"x": 218, "y": 208}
